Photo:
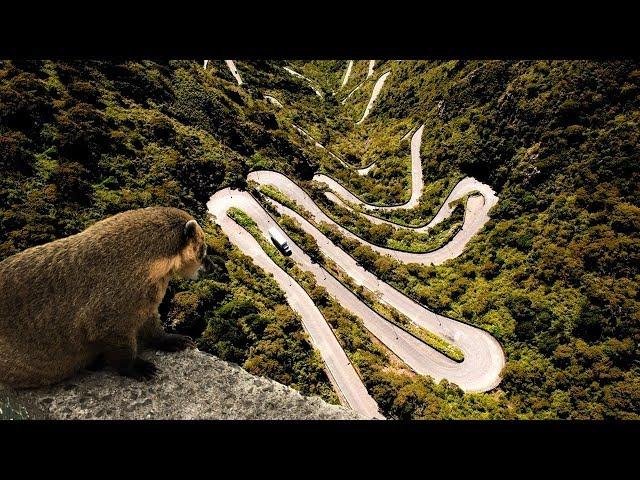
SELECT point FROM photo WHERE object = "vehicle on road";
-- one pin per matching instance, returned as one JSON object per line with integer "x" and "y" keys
{"x": 279, "y": 240}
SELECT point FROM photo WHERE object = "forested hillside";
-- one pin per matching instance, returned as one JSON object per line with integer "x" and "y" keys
{"x": 554, "y": 274}
{"x": 80, "y": 141}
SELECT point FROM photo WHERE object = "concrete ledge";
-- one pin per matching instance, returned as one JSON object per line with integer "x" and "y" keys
{"x": 190, "y": 385}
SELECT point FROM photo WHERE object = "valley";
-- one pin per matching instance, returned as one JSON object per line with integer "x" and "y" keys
{"x": 463, "y": 233}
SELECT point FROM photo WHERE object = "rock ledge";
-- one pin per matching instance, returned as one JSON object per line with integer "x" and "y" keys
{"x": 190, "y": 385}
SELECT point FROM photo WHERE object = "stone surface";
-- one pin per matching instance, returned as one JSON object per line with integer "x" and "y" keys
{"x": 189, "y": 385}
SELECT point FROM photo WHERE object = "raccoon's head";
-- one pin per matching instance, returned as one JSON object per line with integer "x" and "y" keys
{"x": 193, "y": 260}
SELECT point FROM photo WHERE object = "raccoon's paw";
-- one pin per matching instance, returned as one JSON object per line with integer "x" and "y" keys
{"x": 97, "y": 364}
{"x": 173, "y": 342}
{"x": 140, "y": 370}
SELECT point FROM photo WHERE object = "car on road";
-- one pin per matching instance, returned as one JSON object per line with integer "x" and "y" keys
{"x": 279, "y": 241}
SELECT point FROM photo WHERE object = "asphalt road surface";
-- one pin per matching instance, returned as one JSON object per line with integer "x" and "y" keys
{"x": 296, "y": 74}
{"x": 234, "y": 71}
{"x": 483, "y": 356}
{"x": 340, "y": 369}
{"x": 347, "y": 73}
{"x": 307, "y": 135}
{"x": 374, "y": 95}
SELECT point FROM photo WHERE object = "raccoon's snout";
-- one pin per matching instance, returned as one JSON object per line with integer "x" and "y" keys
{"x": 205, "y": 268}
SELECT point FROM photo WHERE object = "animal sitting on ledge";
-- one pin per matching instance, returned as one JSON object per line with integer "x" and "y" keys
{"x": 94, "y": 297}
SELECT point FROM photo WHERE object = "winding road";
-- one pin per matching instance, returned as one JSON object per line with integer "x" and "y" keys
{"x": 307, "y": 135}
{"x": 370, "y": 70}
{"x": 296, "y": 74}
{"x": 374, "y": 95}
{"x": 417, "y": 183}
{"x": 483, "y": 356}
{"x": 476, "y": 210}
{"x": 345, "y": 79}
{"x": 234, "y": 71}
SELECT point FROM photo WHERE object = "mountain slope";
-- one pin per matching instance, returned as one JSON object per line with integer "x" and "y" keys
{"x": 553, "y": 275}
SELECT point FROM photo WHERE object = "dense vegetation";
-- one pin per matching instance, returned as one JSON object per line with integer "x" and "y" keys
{"x": 380, "y": 234}
{"x": 80, "y": 141}
{"x": 390, "y": 382}
{"x": 554, "y": 274}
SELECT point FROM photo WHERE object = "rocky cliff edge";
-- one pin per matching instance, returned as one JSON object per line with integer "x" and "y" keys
{"x": 189, "y": 385}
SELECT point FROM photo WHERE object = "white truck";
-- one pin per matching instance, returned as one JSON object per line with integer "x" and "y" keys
{"x": 279, "y": 240}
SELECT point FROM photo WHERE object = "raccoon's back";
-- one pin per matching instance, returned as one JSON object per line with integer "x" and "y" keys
{"x": 35, "y": 284}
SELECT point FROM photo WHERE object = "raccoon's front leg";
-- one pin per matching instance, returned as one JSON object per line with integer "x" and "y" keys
{"x": 152, "y": 334}
{"x": 122, "y": 355}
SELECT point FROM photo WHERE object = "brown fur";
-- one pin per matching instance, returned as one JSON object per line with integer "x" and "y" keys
{"x": 94, "y": 294}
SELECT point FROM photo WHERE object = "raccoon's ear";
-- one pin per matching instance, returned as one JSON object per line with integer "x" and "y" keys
{"x": 189, "y": 229}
